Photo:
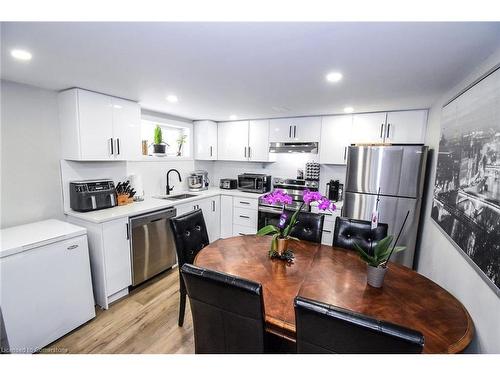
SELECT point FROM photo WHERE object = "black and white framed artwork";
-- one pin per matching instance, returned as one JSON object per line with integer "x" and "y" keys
{"x": 466, "y": 202}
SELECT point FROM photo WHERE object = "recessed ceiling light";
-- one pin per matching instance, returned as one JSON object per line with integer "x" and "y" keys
{"x": 348, "y": 109}
{"x": 21, "y": 54}
{"x": 172, "y": 98}
{"x": 233, "y": 117}
{"x": 334, "y": 77}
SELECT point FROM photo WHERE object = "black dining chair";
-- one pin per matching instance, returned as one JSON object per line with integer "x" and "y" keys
{"x": 309, "y": 226}
{"x": 228, "y": 312}
{"x": 347, "y": 232}
{"x": 190, "y": 236}
{"x": 323, "y": 328}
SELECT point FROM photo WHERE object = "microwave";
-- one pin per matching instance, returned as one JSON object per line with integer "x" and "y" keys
{"x": 254, "y": 183}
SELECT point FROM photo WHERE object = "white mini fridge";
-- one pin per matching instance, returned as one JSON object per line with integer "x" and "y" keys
{"x": 46, "y": 287}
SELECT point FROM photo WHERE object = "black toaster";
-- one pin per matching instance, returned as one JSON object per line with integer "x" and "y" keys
{"x": 228, "y": 183}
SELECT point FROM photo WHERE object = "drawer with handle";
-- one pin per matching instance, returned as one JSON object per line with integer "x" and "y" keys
{"x": 245, "y": 216}
{"x": 251, "y": 203}
{"x": 240, "y": 230}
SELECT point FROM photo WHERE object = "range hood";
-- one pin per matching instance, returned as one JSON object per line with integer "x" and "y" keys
{"x": 286, "y": 147}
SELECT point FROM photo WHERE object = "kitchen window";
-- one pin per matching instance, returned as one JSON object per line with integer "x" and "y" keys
{"x": 176, "y": 137}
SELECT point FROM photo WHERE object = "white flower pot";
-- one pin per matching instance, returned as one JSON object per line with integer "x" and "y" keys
{"x": 375, "y": 276}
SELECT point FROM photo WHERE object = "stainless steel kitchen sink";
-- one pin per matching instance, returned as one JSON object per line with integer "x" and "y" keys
{"x": 177, "y": 197}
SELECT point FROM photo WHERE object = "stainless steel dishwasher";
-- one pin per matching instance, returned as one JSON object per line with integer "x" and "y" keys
{"x": 152, "y": 244}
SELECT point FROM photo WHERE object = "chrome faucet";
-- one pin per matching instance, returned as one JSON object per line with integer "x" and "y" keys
{"x": 168, "y": 188}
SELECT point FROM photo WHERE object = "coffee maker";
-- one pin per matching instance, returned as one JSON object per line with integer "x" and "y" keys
{"x": 334, "y": 190}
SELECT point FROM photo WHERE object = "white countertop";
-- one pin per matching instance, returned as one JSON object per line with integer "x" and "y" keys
{"x": 152, "y": 204}
{"x": 25, "y": 237}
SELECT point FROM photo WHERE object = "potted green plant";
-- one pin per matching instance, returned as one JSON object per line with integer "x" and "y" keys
{"x": 158, "y": 144}
{"x": 377, "y": 263}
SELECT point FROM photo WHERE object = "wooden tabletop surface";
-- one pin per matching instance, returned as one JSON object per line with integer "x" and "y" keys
{"x": 338, "y": 277}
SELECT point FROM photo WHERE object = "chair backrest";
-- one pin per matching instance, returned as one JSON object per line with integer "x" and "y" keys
{"x": 309, "y": 226}
{"x": 228, "y": 312}
{"x": 323, "y": 328}
{"x": 190, "y": 235}
{"x": 350, "y": 231}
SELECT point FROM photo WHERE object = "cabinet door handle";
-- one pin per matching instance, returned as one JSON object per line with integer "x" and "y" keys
{"x": 128, "y": 231}
{"x": 381, "y": 130}
{"x": 72, "y": 247}
{"x": 118, "y": 146}
{"x": 210, "y": 151}
{"x": 111, "y": 145}
{"x": 244, "y": 202}
{"x": 345, "y": 152}
{"x": 245, "y": 151}
{"x": 241, "y": 234}
{"x": 388, "y": 130}
{"x": 245, "y": 217}
{"x": 294, "y": 131}
{"x": 213, "y": 206}
{"x": 249, "y": 152}
{"x": 327, "y": 231}
{"x": 289, "y": 131}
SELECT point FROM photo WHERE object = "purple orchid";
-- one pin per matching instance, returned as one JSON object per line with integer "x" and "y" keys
{"x": 282, "y": 222}
{"x": 315, "y": 196}
{"x": 277, "y": 196}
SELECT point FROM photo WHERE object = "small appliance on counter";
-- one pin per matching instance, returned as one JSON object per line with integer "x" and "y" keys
{"x": 254, "y": 183}
{"x": 198, "y": 180}
{"x": 91, "y": 195}
{"x": 228, "y": 183}
{"x": 334, "y": 190}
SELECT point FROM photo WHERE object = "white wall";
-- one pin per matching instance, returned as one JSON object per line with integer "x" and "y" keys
{"x": 30, "y": 139}
{"x": 442, "y": 262}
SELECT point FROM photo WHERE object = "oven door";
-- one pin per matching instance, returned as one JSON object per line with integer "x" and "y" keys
{"x": 268, "y": 215}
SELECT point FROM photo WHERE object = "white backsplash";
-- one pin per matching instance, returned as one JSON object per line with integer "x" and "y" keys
{"x": 286, "y": 165}
{"x": 153, "y": 173}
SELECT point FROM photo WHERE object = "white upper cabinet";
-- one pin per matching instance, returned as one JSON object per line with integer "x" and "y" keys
{"x": 243, "y": 140}
{"x": 406, "y": 127}
{"x": 368, "y": 128}
{"x": 335, "y": 139}
{"x": 98, "y": 127}
{"x": 233, "y": 140}
{"x": 258, "y": 140}
{"x": 205, "y": 140}
{"x": 296, "y": 129}
{"x": 126, "y": 129}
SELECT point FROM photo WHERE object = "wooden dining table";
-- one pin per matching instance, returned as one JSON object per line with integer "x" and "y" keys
{"x": 338, "y": 277}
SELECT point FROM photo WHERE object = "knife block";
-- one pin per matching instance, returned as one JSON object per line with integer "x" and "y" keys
{"x": 123, "y": 199}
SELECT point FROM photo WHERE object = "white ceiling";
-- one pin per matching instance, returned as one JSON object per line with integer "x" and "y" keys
{"x": 253, "y": 70}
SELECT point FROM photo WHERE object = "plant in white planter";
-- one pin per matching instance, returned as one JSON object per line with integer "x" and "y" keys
{"x": 377, "y": 263}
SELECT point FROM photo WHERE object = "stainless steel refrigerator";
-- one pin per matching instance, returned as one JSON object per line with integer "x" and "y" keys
{"x": 395, "y": 172}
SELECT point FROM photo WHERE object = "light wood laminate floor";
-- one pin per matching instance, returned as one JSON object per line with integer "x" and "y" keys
{"x": 145, "y": 321}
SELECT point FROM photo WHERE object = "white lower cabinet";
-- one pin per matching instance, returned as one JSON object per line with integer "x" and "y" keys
{"x": 109, "y": 249}
{"x": 245, "y": 212}
{"x": 211, "y": 213}
{"x": 226, "y": 216}
{"x": 328, "y": 225}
